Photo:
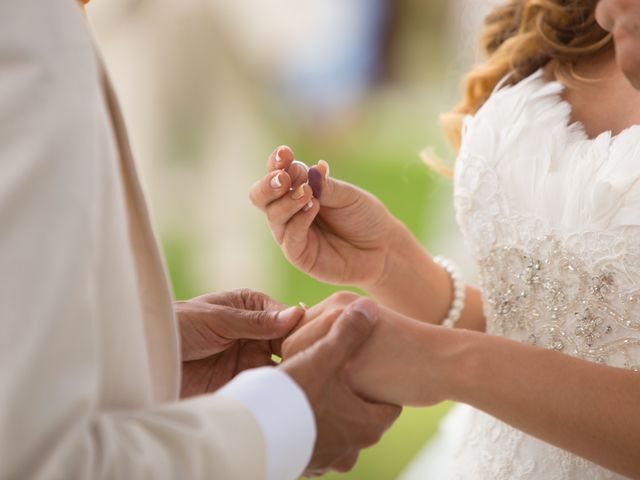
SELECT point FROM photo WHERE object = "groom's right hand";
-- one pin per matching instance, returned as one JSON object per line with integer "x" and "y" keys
{"x": 346, "y": 423}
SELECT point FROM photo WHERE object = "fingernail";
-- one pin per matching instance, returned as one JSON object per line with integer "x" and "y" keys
{"x": 308, "y": 206}
{"x": 302, "y": 164}
{"x": 275, "y": 181}
{"x": 324, "y": 168}
{"x": 366, "y": 307}
{"x": 315, "y": 181}
{"x": 298, "y": 193}
{"x": 285, "y": 316}
{"x": 278, "y": 157}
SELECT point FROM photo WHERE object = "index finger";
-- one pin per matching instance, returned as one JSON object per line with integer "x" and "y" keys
{"x": 280, "y": 158}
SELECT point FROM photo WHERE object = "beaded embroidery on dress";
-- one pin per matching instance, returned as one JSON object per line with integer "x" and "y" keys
{"x": 553, "y": 220}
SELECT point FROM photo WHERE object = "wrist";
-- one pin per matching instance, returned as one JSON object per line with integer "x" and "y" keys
{"x": 402, "y": 249}
{"x": 411, "y": 282}
{"x": 457, "y": 356}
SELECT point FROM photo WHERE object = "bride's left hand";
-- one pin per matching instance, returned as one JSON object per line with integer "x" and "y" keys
{"x": 402, "y": 363}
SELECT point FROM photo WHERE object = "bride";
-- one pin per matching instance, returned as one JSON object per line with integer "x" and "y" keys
{"x": 547, "y": 194}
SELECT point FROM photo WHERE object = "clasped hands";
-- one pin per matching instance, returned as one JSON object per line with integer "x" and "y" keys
{"x": 223, "y": 334}
{"x": 354, "y": 359}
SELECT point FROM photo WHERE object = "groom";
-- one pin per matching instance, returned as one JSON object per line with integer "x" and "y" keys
{"x": 90, "y": 371}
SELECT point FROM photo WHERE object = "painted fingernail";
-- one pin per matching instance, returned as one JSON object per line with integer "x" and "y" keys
{"x": 324, "y": 168}
{"x": 315, "y": 181}
{"x": 298, "y": 193}
{"x": 278, "y": 157}
{"x": 308, "y": 206}
{"x": 275, "y": 181}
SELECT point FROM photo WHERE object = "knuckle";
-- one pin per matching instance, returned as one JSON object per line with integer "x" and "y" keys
{"x": 344, "y": 297}
{"x": 346, "y": 464}
{"x": 332, "y": 316}
{"x": 254, "y": 195}
{"x": 261, "y": 319}
{"x": 242, "y": 294}
{"x": 274, "y": 214}
{"x": 356, "y": 324}
{"x": 379, "y": 422}
{"x": 394, "y": 413}
{"x": 372, "y": 438}
{"x": 252, "y": 299}
{"x": 371, "y": 435}
{"x": 278, "y": 235}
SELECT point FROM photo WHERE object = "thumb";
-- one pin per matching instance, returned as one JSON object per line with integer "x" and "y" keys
{"x": 330, "y": 192}
{"x": 239, "y": 324}
{"x": 348, "y": 333}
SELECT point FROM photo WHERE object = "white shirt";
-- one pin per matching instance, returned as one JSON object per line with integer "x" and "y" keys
{"x": 284, "y": 414}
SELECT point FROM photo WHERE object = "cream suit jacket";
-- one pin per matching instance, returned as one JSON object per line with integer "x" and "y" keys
{"x": 89, "y": 360}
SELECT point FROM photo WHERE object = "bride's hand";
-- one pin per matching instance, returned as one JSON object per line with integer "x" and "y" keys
{"x": 402, "y": 363}
{"x": 343, "y": 236}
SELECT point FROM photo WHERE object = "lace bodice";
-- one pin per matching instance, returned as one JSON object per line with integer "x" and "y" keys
{"x": 553, "y": 221}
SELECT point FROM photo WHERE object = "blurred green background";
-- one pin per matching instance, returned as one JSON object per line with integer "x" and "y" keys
{"x": 209, "y": 88}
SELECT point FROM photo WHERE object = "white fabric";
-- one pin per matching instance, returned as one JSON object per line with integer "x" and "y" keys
{"x": 89, "y": 365}
{"x": 284, "y": 414}
{"x": 553, "y": 220}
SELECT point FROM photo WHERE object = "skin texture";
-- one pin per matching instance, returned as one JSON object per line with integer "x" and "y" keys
{"x": 349, "y": 237}
{"x": 622, "y": 19}
{"x": 608, "y": 102}
{"x": 385, "y": 366}
{"x": 580, "y": 406}
{"x": 223, "y": 334}
{"x": 346, "y": 423}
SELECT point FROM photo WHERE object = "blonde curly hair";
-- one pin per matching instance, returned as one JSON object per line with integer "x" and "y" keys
{"x": 520, "y": 37}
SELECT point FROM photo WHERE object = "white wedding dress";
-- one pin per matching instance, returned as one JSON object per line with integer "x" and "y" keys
{"x": 553, "y": 220}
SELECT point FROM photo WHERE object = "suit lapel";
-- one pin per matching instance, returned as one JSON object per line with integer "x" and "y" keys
{"x": 155, "y": 295}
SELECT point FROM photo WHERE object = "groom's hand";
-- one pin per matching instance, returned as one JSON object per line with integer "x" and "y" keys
{"x": 223, "y": 334}
{"x": 346, "y": 423}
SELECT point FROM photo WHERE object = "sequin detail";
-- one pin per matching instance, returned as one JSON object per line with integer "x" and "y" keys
{"x": 546, "y": 296}
{"x": 552, "y": 219}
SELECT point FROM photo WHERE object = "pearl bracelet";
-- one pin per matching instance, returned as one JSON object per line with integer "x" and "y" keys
{"x": 457, "y": 303}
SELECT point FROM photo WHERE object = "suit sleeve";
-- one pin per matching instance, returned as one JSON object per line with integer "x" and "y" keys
{"x": 52, "y": 422}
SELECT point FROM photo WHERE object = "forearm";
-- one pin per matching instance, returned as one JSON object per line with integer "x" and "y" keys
{"x": 414, "y": 285}
{"x": 580, "y": 406}
{"x": 583, "y": 407}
